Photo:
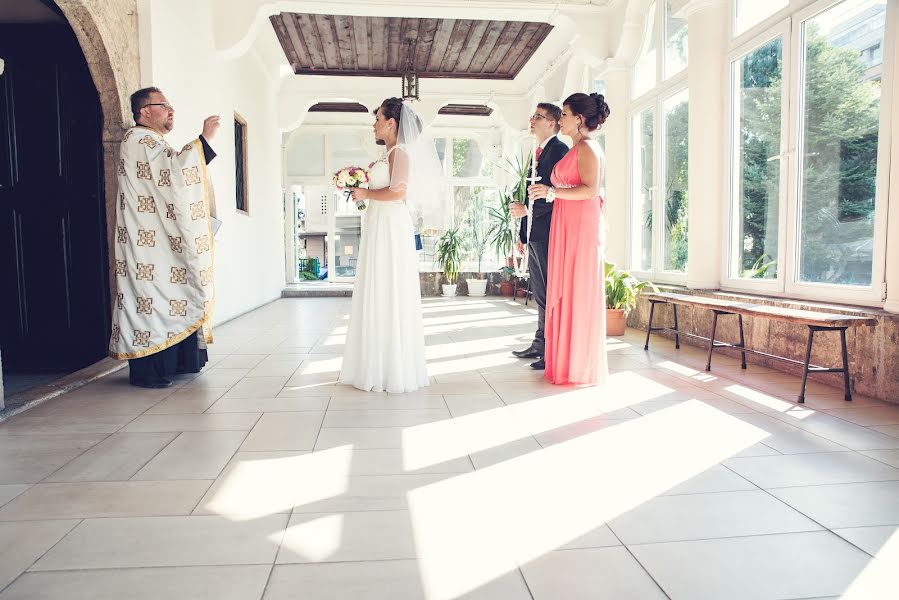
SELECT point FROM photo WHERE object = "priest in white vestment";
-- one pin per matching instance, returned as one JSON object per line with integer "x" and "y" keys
{"x": 163, "y": 247}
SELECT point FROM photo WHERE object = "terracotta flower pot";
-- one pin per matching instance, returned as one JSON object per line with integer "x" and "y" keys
{"x": 522, "y": 292}
{"x": 505, "y": 288}
{"x": 615, "y": 321}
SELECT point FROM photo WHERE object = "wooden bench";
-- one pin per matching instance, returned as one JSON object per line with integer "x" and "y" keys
{"x": 815, "y": 321}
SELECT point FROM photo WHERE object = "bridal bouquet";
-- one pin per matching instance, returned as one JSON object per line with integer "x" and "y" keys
{"x": 351, "y": 177}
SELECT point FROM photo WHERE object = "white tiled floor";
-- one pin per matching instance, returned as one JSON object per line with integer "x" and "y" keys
{"x": 262, "y": 478}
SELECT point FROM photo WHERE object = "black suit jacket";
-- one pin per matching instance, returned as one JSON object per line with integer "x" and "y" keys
{"x": 553, "y": 152}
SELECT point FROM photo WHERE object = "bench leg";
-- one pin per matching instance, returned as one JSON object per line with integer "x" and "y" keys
{"x": 676, "y": 331}
{"x": 652, "y": 310}
{"x": 808, "y": 356}
{"x": 708, "y": 365}
{"x": 847, "y": 393}
{"x": 742, "y": 343}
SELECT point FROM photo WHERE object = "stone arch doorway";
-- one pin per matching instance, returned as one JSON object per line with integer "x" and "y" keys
{"x": 61, "y": 118}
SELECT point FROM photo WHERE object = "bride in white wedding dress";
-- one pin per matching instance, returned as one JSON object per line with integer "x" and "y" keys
{"x": 385, "y": 348}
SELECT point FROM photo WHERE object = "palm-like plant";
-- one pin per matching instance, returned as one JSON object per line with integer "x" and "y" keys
{"x": 476, "y": 232}
{"x": 622, "y": 288}
{"x": 448, "y": 252}
{"x": 519, "y": 168}
{"x": 501, "y": 236}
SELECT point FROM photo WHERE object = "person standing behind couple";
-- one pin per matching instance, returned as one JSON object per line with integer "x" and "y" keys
{"x": 544, "y": 126}
{"x": 575, "y": 303}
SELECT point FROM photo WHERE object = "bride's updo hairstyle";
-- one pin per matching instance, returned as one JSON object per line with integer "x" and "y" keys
{"x": 592, "y": 109}
{"x": 393, "y": 108}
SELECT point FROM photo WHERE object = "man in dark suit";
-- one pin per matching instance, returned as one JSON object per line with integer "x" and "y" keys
{"x": 550, "y": 150}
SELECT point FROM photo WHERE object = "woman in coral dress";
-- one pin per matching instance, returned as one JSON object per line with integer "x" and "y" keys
{"x": 575, "y": 298}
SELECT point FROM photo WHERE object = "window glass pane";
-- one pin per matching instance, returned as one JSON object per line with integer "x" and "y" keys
{"x": 346, "y": 151}
{"x": 838, "y": 161}
{"x": 466, "y": 158}
{"x": 601, "y": 140}
{"x": 757, "y": 128}
{"x": 675, "y": 42}
{"x": 676, "y": 197}
{"x": 472, "y": 204}
{"x": 306, "y": 155}
{"x": 645, "y": 69}
{"x": 642, "y": 186}
{"x": 440, "y": 144}
{"x": 751, "y": 12}
{"x": 347, "y": 236}
{"x": 240, "y": 168}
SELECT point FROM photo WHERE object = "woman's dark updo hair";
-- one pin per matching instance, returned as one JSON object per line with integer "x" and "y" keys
{"x": 392, "y": 108}
{"x": 593, "y": 109}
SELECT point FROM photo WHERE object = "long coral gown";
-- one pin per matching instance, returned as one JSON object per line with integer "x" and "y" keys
{"x": 575, "y": 298}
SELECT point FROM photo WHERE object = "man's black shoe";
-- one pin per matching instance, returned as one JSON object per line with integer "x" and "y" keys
{"x": 539, "y": 365}
{"x": 155, "y": 384}
{"x": 527, "y": 353}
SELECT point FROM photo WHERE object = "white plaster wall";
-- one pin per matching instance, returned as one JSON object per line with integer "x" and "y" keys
{"x": 177, "y": 39}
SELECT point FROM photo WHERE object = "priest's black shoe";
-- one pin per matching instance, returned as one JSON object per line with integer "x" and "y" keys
{"x": 539, "y": 365}
{"x": 153, "y": 384}
{"x": 527, "y": 353}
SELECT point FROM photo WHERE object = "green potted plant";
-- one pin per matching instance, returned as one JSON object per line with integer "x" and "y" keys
{"x": 501, "y": 236}
{"x": 448, "y": 251}
{"x": 622, "y": 290}
{"x": 505, "y": 287}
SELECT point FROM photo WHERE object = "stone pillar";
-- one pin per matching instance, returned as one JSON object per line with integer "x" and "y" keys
{"x": 892, "y": 257}
{"x": 707, "y": 22}
{"x": 616, "y": 173}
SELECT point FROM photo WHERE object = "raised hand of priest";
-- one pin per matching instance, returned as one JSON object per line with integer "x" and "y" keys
{"x": 210, "y": 126}
{"x": 518, "y": 210}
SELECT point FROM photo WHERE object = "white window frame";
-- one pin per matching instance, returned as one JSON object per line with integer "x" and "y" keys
{"x": 676, "y": 80}
{"x": 633, "y": 225}
{"x": 732, "y": 281}
{"x": 654, "y": 99}
{"x": 663, "y": 36}
{"x": 787, "y": 283}
{"x": 659, "y": 167}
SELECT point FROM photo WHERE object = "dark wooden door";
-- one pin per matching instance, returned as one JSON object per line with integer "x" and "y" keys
{"x": 54, "y": 299}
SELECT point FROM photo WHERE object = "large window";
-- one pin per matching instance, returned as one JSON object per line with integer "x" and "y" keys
{"x": 666, "y": 31}
{"x": 757, "y": 79}
{"x": 658, "y": 142}
{"x": 241, "y": 186}
{"x": 808, "y": 220}
{"x": 840, "y": 117}
{"x": 675, "y": 42}
{"x": 472, "y": 194}
{"x": 674, "y": 230}
{"x": 642, "y": 187}
{"x": 644, "y": 73}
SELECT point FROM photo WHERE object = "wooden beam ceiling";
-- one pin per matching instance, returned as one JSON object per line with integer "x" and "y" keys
{"x": 339, "y": 107}
{"x": 388, "y": 46}
{"x": 471, "y": 110}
